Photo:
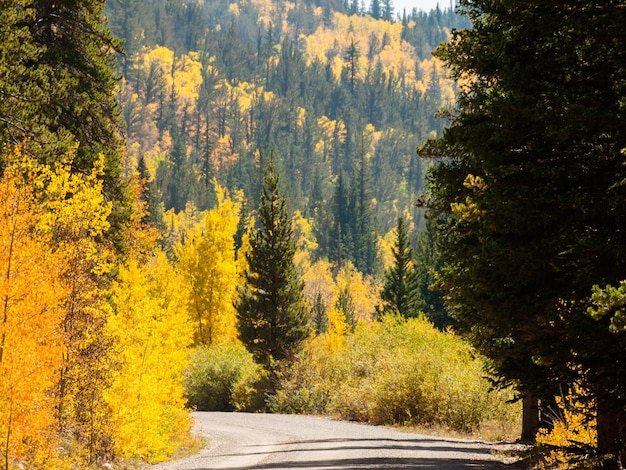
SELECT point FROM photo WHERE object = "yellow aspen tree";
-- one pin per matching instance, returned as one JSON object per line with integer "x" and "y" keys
{"x": 337, "y": 329}
{"x": 364, "y": 291}
{"x": 305, "y": 241}
{"x": 76, "y": 214}
{"x": 207, "y": 260}
{"x": 152, "y": 333}
{"x": 31, "y": 344}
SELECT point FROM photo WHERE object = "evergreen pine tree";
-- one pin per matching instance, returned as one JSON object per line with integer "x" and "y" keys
{"x": 427, "y": 263}
{"x": 272, "y": 317}
{"x": 351, "y": 58}
{"x": 320, "y": 318}
{"x": 346, "y": 305}
{"x": 154, "y": 207}
{"x": 398, "y": 291}
{"x": 363, "y": 220}
{"x": 387, "y": 8}
{"x": 341, "y": 236}
{"x": 529, "y": 199}
{"x": 375, "y": 9}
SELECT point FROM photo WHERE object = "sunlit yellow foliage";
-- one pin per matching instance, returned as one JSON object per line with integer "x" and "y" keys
{"x": 160, "y": 55}
{"x": 434, "y": 69}
{"x": 386, "y": 244}
{"x": 188, "y": 78}
{"x": 334, "y": 338}
{"x": 397, "y": 56}
{"x": 207, "y": 261}
{"x": 334, "y": 134}
{"x": 305, "y": 241}
{"x": 364, "y": 291}
{"x": 233, "y": 9}
{"x": 184, "y": 72}
{"x": 141, "y": 238}
{"x": 244, "y": 94}
{"x": 572, "y": 427}
{"x": 76, "y": 212}
{"x": 59, "y": 218}
{"x": 265, "y": 12}
{"x": 318, "y": 279}
{"x": 268, "y": 9}
{"x": 300, "y": 116}
{"x": 395, "y": 371}
{"x": 223, "y": 155}
{"x": 370, "y": 140}
{"x": 31, "y": 343}
{"x": 151, "y": 332}
{"x": 241, "y": 262}
{"x": 178, "y": 224}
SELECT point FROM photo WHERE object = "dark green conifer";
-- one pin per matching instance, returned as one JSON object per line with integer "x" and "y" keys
{"x": 320, "y": 318}
{"x": 529, "y": 199}
{"x": 272, "y": 316}
{"x": 363, "y": 220}
{"x": 398, "y": 291}
{"x": 427, "y": 298}
{"x": 376, "y": 9}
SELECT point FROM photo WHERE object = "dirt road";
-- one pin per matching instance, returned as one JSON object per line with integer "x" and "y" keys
{"x": 259, "y": 441}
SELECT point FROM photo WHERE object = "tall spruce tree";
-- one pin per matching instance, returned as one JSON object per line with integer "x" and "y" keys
{"x": 398, "y": 292}
{"x": 529, "y": 200}
{"x": 363, "y": 219}
{"x": 387, "y": 8}
{"x": 272, "y": 316}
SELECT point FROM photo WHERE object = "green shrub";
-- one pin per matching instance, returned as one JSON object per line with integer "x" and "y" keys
{"x": 395, "y": 371}
{"x": 221, "y": 378}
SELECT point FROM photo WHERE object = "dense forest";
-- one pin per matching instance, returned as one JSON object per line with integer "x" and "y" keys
{"x": 339, "y": 96}
{"x": 166, "y": 197}
{"x": 221, "y": 207}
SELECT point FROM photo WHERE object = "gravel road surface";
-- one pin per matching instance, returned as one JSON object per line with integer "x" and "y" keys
{"x": 263, "y": 441}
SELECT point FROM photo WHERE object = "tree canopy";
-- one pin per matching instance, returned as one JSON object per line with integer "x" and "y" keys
{"x": 528, "y": 193}
{"x": 58, "y": 87}
{"x": 272, "y": 317}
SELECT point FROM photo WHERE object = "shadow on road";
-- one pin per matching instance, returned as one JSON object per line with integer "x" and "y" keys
{"x": 389, "y": 464}
{"x": 383, "y": 446}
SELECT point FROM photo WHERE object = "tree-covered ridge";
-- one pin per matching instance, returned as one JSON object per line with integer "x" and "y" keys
{"x": 210, "y": 89}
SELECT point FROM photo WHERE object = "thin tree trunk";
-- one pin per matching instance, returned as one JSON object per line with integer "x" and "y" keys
{"x": 530, "y": 417}
{"x": 610, "y": 426}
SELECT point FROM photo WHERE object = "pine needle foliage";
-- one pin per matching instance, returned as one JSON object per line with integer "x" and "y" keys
{"x": 398, "y": 291}
{"x": 272, "y": 317}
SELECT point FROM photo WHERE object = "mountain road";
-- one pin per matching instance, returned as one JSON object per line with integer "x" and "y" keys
{"x": 240, "y": 441}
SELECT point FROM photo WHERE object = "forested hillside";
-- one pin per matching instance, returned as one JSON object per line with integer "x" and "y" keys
{"x": 341, "y": 97}
{"x": 243, "y": 232}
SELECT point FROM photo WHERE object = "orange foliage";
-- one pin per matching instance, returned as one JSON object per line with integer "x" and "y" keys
{"x": 31, "y": 344}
